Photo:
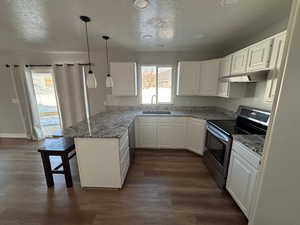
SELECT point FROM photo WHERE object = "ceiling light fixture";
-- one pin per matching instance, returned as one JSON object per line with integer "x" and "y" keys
{"x": 228, "y": 2}
{"x": 147, "y": 36}
{"x": 141, "y": 4}
{"x": 109, "y": 81}
{"x": 91, "y": 80}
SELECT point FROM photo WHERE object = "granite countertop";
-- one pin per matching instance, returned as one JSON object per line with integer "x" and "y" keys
{"x": 253, "y": 142}
{"x": 115, "y": 124}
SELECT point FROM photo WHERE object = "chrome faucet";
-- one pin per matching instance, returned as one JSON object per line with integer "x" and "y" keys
{"x": 152, "y": 99}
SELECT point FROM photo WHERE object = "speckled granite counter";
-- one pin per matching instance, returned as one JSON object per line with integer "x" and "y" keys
{"x": 253, "y": 142}
{"x": 115, "y": 124}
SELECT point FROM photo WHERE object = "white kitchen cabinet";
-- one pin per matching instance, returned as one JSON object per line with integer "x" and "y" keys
{"x": 275, "y": 65}
{"x": 171, "y": 132}
{"x": 259, "y": 56}
{"x": 103, "y": 162}
{"x": 195, "y": 135}
{"x": 146, "y": 132}
{"x": 239, "y": 62}
{"x": 188, "y": 78}
{"x": 225, "y": 66}
{"x": 125, "y": 78}
{"x": 209, "y": 77}
{"x": 241, "y": 177}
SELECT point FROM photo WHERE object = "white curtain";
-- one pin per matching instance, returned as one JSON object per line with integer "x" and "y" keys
{"x": 69, "y": 82}
{"x": 25, "y": 90}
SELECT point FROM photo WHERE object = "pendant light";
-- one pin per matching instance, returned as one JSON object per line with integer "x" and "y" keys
{"x": 109, "y": 81}
{"x": 91, "y": 80}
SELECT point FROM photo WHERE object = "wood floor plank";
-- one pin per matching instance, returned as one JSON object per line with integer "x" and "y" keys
{"x": 163, "y": 187}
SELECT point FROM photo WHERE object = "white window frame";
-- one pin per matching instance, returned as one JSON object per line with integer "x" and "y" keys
{"x": 140, "y": 86}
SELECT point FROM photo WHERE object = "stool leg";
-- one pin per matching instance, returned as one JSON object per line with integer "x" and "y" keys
{"x": 67, "y": 170}
{"x": 47, "y": 169}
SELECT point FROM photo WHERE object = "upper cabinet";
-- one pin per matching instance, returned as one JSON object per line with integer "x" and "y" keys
{"x": 239, "y": 62}
{"x": 259, "y": 56}
{"x": 225, "y": 66}
{"x": 188, "y": 78}
{"x": 275, "y": 64}
{"x": 198, "y": 78}
{"x": 125, "y": 78}
{"x": 209, "y": 77}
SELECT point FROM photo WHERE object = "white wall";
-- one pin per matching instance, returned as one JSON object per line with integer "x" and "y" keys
{"x": 10, "y": 117}
{"x": 279, "y": 190}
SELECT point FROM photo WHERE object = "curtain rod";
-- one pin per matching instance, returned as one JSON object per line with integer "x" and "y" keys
{"x": 49, "y": 65}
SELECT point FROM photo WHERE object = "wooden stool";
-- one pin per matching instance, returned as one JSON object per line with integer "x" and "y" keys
{"x": 57, "y": 147}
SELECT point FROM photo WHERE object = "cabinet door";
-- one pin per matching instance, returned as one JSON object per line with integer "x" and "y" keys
{"x": 225, "y": 66}
{"x": 187, "y": 78}
{"x": 146, "y": 132}
{"x": 259, "y": 56}
{"x": 209, "y": 77}
{"x": 147, "y": 136}
{"x": 196, "y": 134}
{"x": 240, "y": 182}
{"x": 239, "y": 62}
{"x": 165, "y": 136}
{"x": 125, "y": 78}
{"x": 223, "y": 89}
{"x": 275, "y": 64}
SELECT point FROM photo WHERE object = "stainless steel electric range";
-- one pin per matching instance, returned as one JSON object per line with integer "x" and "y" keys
{"x": 219, "y": 138}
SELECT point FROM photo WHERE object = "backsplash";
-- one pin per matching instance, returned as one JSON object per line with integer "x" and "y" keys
{"x": 169, "y": 108}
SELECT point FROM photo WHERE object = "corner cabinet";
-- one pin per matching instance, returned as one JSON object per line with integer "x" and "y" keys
{"x": 209, "y": 77}
{"x": 188, "y": 74}
{"x": 239, "y": 62}
{"x": 198, "y": 78}
{"x": 241, "y": 177}
{"x": 275, "y": 65}
{"x": 195, "y": 135}
{"x": 124, "y": 75}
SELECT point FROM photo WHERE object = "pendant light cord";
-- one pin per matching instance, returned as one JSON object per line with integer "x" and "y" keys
{"x": 88, "y": 45}
{"x": 107, "y": 57}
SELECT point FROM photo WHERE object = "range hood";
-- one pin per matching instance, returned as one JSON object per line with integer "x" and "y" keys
{"x": 248, "y": 77}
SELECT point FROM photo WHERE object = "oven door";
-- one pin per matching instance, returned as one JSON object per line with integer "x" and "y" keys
{"x": 218, "y": 145}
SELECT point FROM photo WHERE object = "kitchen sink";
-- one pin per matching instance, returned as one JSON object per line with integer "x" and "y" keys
{"x": 157, "y": 112}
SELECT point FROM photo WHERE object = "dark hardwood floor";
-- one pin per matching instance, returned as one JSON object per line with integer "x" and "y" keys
{"x": 163, "y": 187}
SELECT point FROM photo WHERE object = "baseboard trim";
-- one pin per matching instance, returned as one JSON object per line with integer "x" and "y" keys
{"x": 13, "y": 135}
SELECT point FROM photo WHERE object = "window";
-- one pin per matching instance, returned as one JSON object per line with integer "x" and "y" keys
{"x": 156, "y": 84}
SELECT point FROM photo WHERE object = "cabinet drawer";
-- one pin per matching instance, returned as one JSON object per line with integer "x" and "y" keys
{"x": 247, "y": 154}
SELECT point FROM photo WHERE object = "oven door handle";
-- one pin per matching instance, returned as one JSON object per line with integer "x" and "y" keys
{"x": 218, "y": 134}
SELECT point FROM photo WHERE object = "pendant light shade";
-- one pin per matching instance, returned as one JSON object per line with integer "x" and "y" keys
{"x": 91, "y": 80}
{"x": 109, "y": 81}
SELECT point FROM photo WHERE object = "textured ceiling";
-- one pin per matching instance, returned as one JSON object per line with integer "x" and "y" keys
{"x": 166, "y": 25}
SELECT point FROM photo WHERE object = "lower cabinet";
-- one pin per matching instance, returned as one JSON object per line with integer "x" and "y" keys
{"x": 195, "y": 135}
{"x": 146, "y": 132}
{"x": 103, "y": 162}
{"x": 171, "y": 133}
{"x": 241, "y": 177}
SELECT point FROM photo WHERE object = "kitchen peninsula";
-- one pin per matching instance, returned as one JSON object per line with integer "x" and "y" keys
{"x": 103, "y": 141}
